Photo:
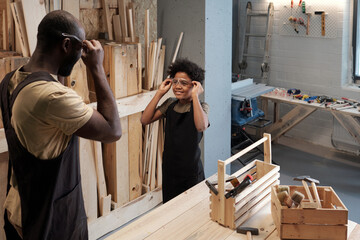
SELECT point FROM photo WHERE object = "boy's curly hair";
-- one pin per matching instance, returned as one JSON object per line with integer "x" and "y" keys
{"x": 194, "y": 72}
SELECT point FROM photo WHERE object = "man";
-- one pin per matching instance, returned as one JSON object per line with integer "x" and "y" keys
{"x": 42, "y": 119}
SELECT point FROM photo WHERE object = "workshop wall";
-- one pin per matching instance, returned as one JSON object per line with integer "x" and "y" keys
{"x": 316, "y": 65}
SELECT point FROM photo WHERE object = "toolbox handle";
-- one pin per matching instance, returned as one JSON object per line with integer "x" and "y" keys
{"x": 267, "y": 150}
{"x": 222, "y": 166}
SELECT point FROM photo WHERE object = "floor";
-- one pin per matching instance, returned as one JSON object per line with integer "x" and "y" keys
{"x": 340, "y": 171}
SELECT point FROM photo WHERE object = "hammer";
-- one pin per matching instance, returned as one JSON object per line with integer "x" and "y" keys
{"x": 306, "y": 187}
{"x": 248, "y": 231}
{"x": 314, "y": 188}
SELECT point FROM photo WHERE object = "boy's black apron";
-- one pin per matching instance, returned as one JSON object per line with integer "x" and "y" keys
{"x": 52, "y": 205}
{"x": 182, "y": 166}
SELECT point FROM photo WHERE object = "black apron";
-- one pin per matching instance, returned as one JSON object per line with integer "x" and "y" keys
{"x": 182, "y": 167}
{"x": 52, "y": 205}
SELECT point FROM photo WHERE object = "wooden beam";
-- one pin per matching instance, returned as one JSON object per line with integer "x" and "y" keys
{"x": 135, "y": 155}
{"x": 288, "y": 121}
{"x": 18, "y": 14}
{"x": 107, "y": 19}
{"x": 35, "y": 12}
{"x": 177, "y": 47}
{"x": 123, "y": 18}
{"x": 117, "y": 28}
{"x": 88, "y": 177}
{"x": 116, "y": 166}
{"x": 71, "y": 6}
{"x": 350, "y": 123}
{"x": 104, "y": 198}
{"x": 131, "y": 25}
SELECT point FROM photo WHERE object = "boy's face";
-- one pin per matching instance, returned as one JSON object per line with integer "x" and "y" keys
{"x": 182, "y": 86}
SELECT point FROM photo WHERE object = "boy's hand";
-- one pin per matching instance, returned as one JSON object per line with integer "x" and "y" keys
{"x": 197, "y": 89}
{"x": 165, "y": 86}
{"x": 93, "y": 54}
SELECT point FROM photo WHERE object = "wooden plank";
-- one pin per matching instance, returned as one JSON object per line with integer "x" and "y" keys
{"x": 267, "y": 148}
{"x": 162, "y": 215}
{"x": 107, "y": 19}
{"x": 35, "y": 12}
{"x": 135, "y": 155}
{"x": 247, "y": 149}
{"x": 116, "y": 166}
{"x": 124, "y": 214}
{"x": 104, "y": 198}
{"x": 181, "y": 227}
{"x": 177, "y": 47}
{"x": 78, "y": 81}
{"x": 136, "y": 103}
{"x": 221, "y": 189}
{"x": 146, "y": 47}
{"x": 123, "y": 18}
{"x": 250, "y": 204}
{"x": 131, "y": 25}
{"x": 132, "y": 69}
{"x": 86, "y": 4}
{"x": 350, "y": 123}
{"x": 10, "y": 33}
{"x": 253, "y": 210}
{"x": 88, "y": 177}
{"x": 299, "y": 231}
{"x": 153, "y": 153}
{"x": 117, "y": 28}
{"x": 17, "y": 14}
{"x": 72, "y": 6}
{"x": 118, "y": 70}
{"x": 4, "y": 38}
{"x": 272, "y": 181}
{"x": 211, "y": 231}
{"x": 257, "y": 183}
{"x": 291, "y": 119}
{"x": 139, "y": 68}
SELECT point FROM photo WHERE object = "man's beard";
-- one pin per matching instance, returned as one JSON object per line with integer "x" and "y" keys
{"x": 67, "y": 67}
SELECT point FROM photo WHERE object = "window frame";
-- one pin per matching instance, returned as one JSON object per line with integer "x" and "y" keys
{"x": 356, "y": 47}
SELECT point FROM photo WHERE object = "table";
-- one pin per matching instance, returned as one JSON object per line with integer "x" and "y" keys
{"x": 348, "y": 118}
{"x": 187, "y": 217}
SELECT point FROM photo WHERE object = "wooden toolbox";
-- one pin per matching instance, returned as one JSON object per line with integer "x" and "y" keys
{"x": 233, "y": 211}
{"x": 328, "y": 222}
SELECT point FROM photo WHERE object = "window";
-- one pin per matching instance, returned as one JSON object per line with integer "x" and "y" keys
{"x": 356, "y": 42}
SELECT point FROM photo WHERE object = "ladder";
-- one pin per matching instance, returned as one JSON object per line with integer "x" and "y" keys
{"x": 248, "y": 35}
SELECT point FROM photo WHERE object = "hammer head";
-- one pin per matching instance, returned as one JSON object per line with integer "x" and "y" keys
{"x": 300, "y": 178}
{"x": 244, "y": 230}
{"x": 309, "y": 179}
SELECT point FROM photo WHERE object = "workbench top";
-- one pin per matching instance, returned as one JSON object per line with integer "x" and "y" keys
{"x": 351, "y": 111}
{"x": 187, "y": 217}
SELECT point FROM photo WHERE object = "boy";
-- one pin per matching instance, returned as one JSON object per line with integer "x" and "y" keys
{"x": 186, "y": 119}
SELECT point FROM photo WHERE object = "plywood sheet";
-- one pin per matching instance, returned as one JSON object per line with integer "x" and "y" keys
{"x": 34, "y": 12}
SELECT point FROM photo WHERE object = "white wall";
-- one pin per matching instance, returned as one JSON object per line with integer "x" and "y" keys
{"x": 317, "y": 66}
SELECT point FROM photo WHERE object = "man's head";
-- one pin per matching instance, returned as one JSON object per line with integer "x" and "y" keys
{"x": 60, "y": 34}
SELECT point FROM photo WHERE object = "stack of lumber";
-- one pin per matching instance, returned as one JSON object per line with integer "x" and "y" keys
{"x": 153, "y": 133}
{"x": 120, "y": 26}
{"x": 19, "y": 27}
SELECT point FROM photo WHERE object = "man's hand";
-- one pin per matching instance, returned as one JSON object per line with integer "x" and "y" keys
{"x": 165, "y": 86}
{"x": 197, "y": 89}
{"x": 93, "y": 54}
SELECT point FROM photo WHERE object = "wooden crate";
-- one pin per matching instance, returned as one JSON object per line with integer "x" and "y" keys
{"x": 328, "y": 222}
{"x": 232, "y": 212}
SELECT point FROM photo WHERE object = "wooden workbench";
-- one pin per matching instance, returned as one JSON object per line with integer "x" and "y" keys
{"x": 348, "y": 118}
{"x": 187, "y": 217}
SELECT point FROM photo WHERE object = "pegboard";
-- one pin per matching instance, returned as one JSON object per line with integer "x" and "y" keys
{"x": 287, "y": 28}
